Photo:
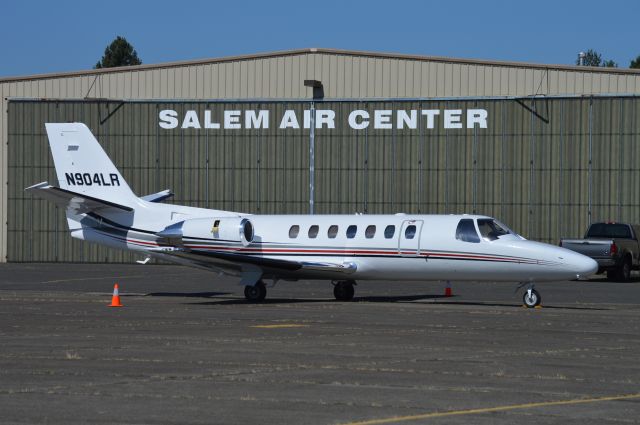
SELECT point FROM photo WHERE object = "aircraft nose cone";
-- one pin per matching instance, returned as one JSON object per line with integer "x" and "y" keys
{"x": 584, "y": 266}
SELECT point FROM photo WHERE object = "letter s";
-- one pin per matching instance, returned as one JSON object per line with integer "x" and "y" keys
{"x": 168, "y": 119}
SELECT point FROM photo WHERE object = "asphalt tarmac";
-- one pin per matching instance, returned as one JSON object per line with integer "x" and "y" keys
{"x": 187, "y": 349}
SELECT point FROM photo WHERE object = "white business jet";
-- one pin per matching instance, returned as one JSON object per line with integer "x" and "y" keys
{"x": 100, "y": 207}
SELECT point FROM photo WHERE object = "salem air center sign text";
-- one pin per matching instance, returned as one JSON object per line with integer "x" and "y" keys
{"x": 325, "y": 118}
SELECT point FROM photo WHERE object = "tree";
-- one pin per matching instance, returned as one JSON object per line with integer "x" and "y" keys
{"x": 591, "y": 58}
{"x": 118, "y": 53}
{"x": 635, "y": 63}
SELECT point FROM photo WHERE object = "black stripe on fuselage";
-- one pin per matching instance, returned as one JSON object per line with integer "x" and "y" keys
{"x": 390, "y": 255}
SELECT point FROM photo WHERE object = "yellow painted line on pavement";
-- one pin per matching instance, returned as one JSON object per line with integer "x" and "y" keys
{"x": 281, "y": 326}
{"x": 396, "y": 419}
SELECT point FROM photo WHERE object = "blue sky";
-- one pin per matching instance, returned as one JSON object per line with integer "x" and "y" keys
{"x": 53, "y": 36}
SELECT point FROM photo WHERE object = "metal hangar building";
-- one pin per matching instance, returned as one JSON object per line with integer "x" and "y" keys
{"x": 544, "y": 148}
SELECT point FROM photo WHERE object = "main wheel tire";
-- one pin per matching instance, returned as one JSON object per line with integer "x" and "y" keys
{"x": 623, "y": 273}
{"x": 343, "y": 291}
{"x": 255, "y": 293}
{"x": 531, "y": 301}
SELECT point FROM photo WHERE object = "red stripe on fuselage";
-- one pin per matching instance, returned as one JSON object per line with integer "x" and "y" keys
{"x": 344, "y": 251}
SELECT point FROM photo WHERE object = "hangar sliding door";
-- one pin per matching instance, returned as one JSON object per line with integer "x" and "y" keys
{"x": 544, "y": 166}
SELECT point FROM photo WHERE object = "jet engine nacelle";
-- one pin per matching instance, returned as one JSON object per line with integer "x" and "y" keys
{"x": 232, "y": 229}
{"x": 228, "y": 229}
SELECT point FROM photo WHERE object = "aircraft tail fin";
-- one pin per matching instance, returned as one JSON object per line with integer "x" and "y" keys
{"x": 83, "y": 167}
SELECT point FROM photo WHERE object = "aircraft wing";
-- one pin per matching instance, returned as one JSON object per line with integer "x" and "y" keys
{"x": 346, "y": 268}
{"x": 74, "y": 201}
{"x": 238, "y": 260}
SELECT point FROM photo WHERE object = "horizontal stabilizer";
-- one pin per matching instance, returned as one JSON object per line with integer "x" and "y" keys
{"x": 72, "y": 201}
{"x": 158, "y": 197}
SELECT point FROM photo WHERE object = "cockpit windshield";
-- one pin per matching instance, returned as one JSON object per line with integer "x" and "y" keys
{"x": 466, "y": 231}
{"x": 491, "y": 229}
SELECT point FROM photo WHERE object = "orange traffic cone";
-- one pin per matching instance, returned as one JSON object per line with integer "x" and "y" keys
{"x": 447, "y": 290}
{"x": 115, "y": 299}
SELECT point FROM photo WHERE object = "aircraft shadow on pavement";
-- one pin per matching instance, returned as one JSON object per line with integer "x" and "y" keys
{"x": 443, "y": 299}
{"x": 373, "y": 299}
{"x": 436, "y": 299}
{"x": 545, "y": 307}
{"x": 188, "y": 294}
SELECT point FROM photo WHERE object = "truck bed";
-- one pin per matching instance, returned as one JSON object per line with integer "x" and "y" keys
{"x": 589, "y": 247}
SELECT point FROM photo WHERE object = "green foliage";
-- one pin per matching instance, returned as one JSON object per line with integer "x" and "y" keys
{"x": 118, "y": 53}
{"x": 591, "y": 58}
{"x": 635, "y": 63}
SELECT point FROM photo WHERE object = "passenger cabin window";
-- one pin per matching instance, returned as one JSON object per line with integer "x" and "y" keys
{"x": 466, "y": 231}
{"x": 490, "y": 229}
{"x": 351, "y": 231}
{"x": 313, "y": 231}
{"x": 332, "y": 232}
{"x": 389, "y": 231}
{"x": 370, "y": 232}
{"x": 410, "y": 232}
{"x": 293, "y": 231}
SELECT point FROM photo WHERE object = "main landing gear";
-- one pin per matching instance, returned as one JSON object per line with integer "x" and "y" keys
{"x": 531, "y": 297}
{"x": 343, "y": 290}
{"x": 255, "y": 293}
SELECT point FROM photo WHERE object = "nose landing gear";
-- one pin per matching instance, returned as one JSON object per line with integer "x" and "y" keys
{"x": 531, "y": 297}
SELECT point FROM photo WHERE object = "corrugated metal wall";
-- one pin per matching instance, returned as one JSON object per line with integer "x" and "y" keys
{"x": 544, "y": 166}
{"x": 280, "y": 75}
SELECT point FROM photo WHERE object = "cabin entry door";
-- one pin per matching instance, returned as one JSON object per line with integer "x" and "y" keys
{"x": 409, "y": 238}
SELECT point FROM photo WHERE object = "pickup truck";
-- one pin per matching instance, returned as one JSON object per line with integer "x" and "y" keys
{"x": 613, "y": 245}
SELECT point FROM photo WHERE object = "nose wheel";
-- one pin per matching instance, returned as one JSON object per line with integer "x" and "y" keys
{"x": 531, "y": 298}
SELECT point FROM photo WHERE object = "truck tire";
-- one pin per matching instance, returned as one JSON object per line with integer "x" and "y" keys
{"x": 624, "y": 272}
